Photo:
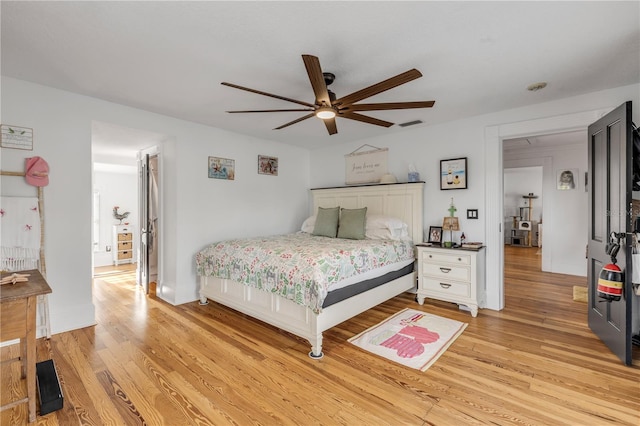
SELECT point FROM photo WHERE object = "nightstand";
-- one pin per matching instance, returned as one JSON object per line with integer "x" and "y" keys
{"x": 453, "y": 275}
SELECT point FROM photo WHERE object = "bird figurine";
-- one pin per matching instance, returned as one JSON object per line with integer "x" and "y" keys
{"x": 119, "y": 216}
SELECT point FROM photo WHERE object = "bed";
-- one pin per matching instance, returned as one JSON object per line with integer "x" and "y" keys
{"x": 308, "y": 320}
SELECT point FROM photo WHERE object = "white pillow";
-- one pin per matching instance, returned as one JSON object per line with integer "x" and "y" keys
{"x": 398, "y": 234}
{"x": 380, "y": 227}
{"x": 309, "y": 224}
{"x": 375, "y": 221}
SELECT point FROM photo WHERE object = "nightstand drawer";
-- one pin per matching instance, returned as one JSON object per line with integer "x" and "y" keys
{"x": 454, "y": 258}
{"x": 446, "y": 288}
{"x": 446, "y": 271}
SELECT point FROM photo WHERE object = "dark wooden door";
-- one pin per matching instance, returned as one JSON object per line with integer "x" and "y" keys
{"x": 610, "y": 210}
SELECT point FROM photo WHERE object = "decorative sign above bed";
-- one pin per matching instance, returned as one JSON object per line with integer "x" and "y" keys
{"x": 366, "y": 166}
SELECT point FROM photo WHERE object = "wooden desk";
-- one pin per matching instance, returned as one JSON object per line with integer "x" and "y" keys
{"x": 18, "y": 321}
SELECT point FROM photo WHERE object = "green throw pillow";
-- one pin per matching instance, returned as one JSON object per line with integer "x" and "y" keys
{"x": 352, "y": 223}
{"x": 327, "y": 222}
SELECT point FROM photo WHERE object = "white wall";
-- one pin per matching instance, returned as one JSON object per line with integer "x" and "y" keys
{"x": 116, "y": 188}
{"x": 521, "y": 181}
{"x": 196, "y": 210}
{"x": 423, "y": 147}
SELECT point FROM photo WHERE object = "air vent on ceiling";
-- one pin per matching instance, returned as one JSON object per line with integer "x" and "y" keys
{"x": 410, "y": 123}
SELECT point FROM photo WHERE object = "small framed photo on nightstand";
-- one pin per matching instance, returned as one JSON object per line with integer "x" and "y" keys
{"x": 435, "y": 235}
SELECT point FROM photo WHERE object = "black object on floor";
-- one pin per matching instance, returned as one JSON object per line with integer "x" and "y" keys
{"x": 49, "y": 392}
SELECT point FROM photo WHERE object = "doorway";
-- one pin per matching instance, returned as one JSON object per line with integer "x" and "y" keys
{"x": 150, "y": 219}
{"x": 532, "y": 196}
{"x": 115, "y": 181}
{"x": 494, "y": 158}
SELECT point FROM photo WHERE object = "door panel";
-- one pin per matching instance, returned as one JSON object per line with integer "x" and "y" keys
{"x": 610, "y": 155}
{"x": 143, "y": 264}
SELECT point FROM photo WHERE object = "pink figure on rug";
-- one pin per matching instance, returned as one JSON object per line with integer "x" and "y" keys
{"x": 421, "y": 334}
{"x": 408, "y": 347}
{"x": 405, "y": 347}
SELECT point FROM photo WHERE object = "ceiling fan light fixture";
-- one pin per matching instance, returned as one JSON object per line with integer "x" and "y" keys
{"x": 325, "y": 113}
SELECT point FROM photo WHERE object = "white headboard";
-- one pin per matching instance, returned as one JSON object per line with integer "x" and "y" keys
{"x": 402, "y": 200}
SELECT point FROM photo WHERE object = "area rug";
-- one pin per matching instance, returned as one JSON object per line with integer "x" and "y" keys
{"x": 579, "y": 293}
{"x": 412, "y": 338}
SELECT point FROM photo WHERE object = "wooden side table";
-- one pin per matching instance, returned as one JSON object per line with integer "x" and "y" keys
{"x": 18, "y": 321}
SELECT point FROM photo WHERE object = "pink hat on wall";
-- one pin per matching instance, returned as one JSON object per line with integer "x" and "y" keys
{"x": 36, "y": 171}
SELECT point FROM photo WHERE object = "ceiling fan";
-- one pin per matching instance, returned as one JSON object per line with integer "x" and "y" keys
{"x": 327, "y": 107}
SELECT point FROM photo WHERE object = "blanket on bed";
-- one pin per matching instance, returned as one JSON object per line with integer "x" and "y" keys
{"x": 300, "y": 266}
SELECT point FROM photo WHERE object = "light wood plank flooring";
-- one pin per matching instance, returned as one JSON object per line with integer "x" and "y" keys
{"x": 146, "y": 362}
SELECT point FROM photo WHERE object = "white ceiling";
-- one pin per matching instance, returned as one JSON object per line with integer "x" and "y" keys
{"x": 170, "y": 57}
{"x": 545, "y": 141}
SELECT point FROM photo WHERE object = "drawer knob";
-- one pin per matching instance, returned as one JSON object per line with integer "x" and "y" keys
{"x": 459, "y": 259}
{"x": 445, "y": 270}
{"x": 430, "y": 256}
{"x": 445, "y": 285}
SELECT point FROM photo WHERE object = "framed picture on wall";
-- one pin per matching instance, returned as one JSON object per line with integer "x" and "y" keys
{"x": 567, "y": 179}
{"x": 267, "y": 165}
{"x": 453, "y": 173}
{"x": 222, "y": 168}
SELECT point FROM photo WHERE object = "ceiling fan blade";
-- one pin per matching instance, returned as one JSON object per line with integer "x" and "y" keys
{"x": 235, "y": 86}
{"x": 317, "y": 79}
{"x": 331, "y": 125}
{"x": 270, "y": 110}
{"x": 295, "y": 121}
{"x": 389, "y": 105}
{"x": 365, "y": 119}
{"x": 387, "y": 84}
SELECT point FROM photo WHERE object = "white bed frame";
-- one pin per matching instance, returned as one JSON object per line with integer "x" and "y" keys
{"x": 404, "y": 201}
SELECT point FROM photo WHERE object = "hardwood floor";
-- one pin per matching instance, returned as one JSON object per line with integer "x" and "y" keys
{"x": 147, "y": 362}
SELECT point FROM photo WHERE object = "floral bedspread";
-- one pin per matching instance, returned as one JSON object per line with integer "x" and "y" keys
{"x": 299, "y": 267}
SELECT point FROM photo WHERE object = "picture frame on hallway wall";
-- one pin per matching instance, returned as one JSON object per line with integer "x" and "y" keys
{"x": 567, "y": 179}
{"x": 453, "y": 173}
